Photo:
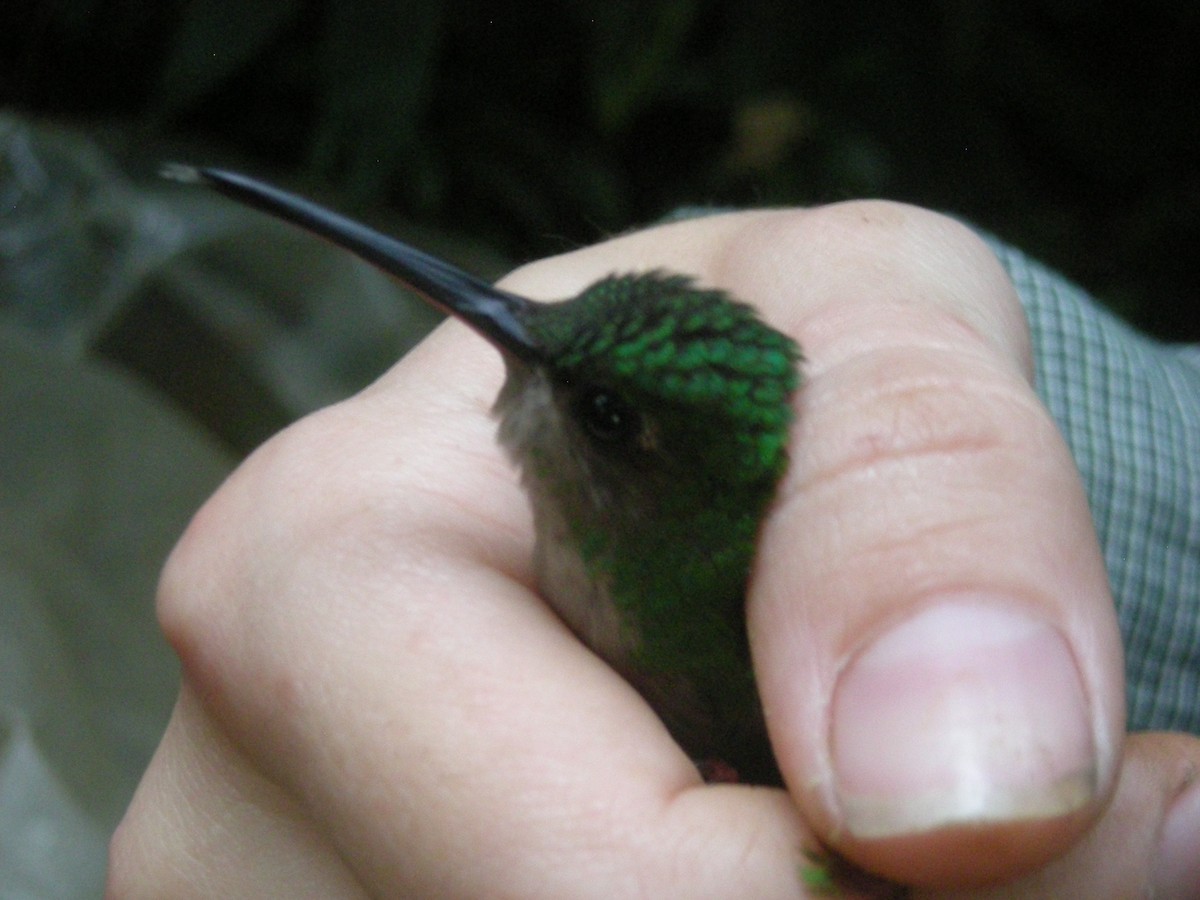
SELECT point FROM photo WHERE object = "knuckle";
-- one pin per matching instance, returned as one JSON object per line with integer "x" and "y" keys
{"x": 238, "y": 542}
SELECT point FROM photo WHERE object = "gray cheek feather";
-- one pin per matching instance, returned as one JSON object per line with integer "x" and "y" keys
{"x": 540, "y": 444}
{"x": 579, "y": 597}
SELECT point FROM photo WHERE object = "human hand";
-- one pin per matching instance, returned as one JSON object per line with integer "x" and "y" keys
{"x": 375, "y": 700}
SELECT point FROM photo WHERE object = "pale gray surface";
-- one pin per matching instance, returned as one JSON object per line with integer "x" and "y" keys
{"x": 98, "y": 479}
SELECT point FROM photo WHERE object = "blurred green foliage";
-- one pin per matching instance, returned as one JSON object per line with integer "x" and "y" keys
{"x": 1067, "y": 128}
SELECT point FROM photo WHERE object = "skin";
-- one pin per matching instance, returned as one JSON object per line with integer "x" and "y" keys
{"x": 376, "y": 702}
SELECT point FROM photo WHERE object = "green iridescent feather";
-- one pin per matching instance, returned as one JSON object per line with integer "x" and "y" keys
{"x": 663, "y": 337}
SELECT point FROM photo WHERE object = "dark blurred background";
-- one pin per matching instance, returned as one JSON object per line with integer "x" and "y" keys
{"x": 1069, "y": 128}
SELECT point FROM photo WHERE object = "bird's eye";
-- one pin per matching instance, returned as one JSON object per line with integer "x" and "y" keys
{"x": 607, "y": 416}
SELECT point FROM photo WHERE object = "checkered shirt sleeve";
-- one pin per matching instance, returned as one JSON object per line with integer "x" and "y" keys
{"x": 1129, "y": 408}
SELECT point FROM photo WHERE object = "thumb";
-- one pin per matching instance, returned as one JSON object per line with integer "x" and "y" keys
{"x": 935, "y": 643}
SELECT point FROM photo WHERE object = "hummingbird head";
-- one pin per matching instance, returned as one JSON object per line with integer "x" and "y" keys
{"x": 661, "y": 396}
{"x": 641, "y": 381}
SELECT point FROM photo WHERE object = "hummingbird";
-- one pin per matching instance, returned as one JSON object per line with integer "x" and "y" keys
{"x": 648, "y": 418}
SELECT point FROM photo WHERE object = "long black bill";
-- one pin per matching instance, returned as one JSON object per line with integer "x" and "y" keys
{"x": 497, "y": 315}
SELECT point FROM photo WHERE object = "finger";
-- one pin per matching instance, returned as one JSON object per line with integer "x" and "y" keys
{"x": 1147, "y": 844}
{"x": 936, "y": 645}
{"x": 205, "y": 823}
{"x": 354, "y": 609}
